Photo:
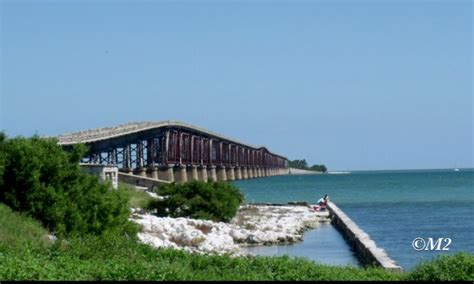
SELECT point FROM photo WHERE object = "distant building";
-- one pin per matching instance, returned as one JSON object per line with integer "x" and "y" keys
{"x": 104, "y": 172}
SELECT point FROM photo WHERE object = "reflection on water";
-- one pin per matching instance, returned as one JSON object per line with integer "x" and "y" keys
{"x": 323, "y": 244}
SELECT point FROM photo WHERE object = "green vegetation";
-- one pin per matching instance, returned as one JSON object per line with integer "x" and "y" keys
{"x": 18, "y": 230}
{"x": 42, "y": 187}
{"x": 136, "y": 198}
{"x": 445, "y": 268}
{"x": 217, "y": 201}
{"x": 112, "y": 257}
{"x": 42, "y": 180}
{"x": 303, "y": 165}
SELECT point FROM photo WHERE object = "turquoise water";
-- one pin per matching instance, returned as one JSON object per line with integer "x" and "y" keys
{"x": 393, "y": 207}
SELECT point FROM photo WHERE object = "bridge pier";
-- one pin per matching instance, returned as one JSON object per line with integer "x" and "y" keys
{"x": 238, "y": 173}
{"x": 244, "y": 173}
{"x": 152, "y": 172}
{"x": 165, "y": 172}
{"x": 141, "y": 171}
{"x": 192, "y": 173}
{"x": 230, "y": 173}
{"x": 221, "y": 174}
{"x": 180, "y": 175}
{"x": 202, "y": 173}
{"x": 249, "y": 173}
{"x": 211, "y": 172}
{"x": 255, "y": 172}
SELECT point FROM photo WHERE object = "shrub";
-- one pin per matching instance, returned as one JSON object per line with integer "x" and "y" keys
{"x": 445, "y": 268}
{"x": 46, "y": 182}
{"x": 217, "y": 201}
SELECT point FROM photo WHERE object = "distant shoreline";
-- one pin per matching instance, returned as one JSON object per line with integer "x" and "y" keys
{"x": 294, "y": 171}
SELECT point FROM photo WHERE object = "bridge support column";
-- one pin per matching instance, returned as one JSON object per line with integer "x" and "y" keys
{"x": 165, "y": 172}
{"x": 140, "y": 172}
{"x": 245, "y": 174}
{"x": 180, "y": 174}
{"x": 238, "y": 173}
{"x": 260, "y": 173}
{"x": 230, "y": 173}
{"x": 202, "y": 173}
{"x": 255, "y": 173}
{"x": 152, "y": 172}
{"x": 250, "y": 172}
{"x": 265, "y": 172}
{"x": 221, "y": 175}
{"x": 192, "y": 173}
{"x": 211, "y": 173}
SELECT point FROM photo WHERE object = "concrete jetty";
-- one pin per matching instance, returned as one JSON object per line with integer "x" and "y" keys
{"x": 365, "y": 248}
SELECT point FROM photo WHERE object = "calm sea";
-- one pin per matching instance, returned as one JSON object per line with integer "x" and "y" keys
{"x": 393, "y": 207}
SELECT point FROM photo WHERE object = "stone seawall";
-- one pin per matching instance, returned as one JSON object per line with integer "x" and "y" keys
{"x": 365, "y": 248}
{"x": 293, "y": 171}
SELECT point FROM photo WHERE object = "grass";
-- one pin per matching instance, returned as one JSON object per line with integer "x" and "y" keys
{"x": 18, "y": 231}
{"x": 137, "y": 197}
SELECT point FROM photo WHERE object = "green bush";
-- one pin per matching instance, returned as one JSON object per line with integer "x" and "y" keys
{"x": 217, "y": 201}
{"x": 46, "y": 182}
{"x": 445, "y": 268}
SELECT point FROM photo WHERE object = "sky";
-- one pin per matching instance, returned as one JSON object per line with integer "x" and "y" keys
{"x": 354, "y": 85}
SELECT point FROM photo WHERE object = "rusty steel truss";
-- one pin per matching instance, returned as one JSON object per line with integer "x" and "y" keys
{"x": 151, "y": 144}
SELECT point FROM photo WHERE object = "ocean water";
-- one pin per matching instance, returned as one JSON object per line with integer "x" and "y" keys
{"x": 393, "y": 207}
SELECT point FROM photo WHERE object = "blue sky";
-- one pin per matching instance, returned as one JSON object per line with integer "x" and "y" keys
{"x": 355, "y": 85}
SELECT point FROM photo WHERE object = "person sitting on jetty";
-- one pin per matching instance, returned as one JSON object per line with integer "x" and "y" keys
{"x": 322, "y": 203}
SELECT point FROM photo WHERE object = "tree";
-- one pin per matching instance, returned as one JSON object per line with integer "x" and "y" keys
{"x": 299, "y": 164}
{"x": 41, "y": 179}
{"x": 319, "y": 168}
{"x": 217, "y": 201}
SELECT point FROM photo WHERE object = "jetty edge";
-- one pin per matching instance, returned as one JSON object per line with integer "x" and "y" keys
{"x": 365, "y": 248}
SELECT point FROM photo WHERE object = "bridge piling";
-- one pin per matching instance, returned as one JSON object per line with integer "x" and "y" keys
{"x": 153, "y": 172}
{"x": 238, "y": 173}
{"x": 221, "y": 173}
{"x": 180, "y": 174}
{"x": 211, "y": 172}
{"x": 249, "y": 172}
{"x": 165, "y": 172}
{"x": 202, "y": 173}
{"x": 230, "y": 173}
{"x": 244, "y": 173}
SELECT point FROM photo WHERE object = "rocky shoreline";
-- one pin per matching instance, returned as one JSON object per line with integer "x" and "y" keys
{"x": 253, "y": 225}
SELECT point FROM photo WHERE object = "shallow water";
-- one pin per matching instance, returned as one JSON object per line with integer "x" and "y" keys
{"x": 324, "y": 244}
{"x": 393, "y": 207}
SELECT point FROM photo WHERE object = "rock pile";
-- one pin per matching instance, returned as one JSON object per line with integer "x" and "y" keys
{"x": 253, "y": 225}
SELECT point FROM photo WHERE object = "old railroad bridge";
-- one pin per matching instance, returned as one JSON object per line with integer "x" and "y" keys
{"x": 175, "y": 151}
